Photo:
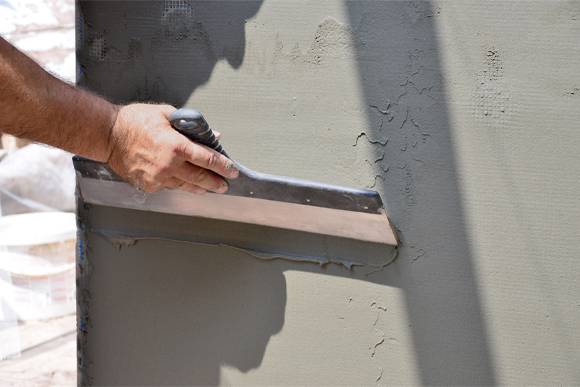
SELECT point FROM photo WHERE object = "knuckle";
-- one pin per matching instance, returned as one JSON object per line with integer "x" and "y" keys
{"x": 180, "y": 149}
{"x": 212, "y": 160}
{"x": 168, "y": 109}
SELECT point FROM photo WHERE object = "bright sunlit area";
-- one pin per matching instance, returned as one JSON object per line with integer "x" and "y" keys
{"x": 37, "y": 222}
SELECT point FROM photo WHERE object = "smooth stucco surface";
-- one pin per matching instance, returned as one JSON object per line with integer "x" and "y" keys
{"x": 463, "y": 115}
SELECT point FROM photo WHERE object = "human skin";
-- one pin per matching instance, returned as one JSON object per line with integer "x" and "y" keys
{"x": 135, "y": 140}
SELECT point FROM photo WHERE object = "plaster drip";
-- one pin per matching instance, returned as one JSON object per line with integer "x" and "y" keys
{"x": 376, "y": 345}
{"x": 382, "y": 370}
{"x": 378, "y": 268}
{"x": 382, "y": 142}
{"x": 122, "y": 240}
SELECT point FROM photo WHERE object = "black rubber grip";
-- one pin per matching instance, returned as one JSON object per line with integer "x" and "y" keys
{"x": 193, "y": 125}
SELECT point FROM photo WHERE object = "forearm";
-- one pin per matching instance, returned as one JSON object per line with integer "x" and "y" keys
{"x": 37, "y": 106}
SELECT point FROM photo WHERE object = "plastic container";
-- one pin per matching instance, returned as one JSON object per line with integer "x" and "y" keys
{"x": 37, "y": 264}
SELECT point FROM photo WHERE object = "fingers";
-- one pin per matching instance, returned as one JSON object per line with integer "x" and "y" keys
{"x": 207, "y": 158}
{"x": 201, "y": 177}
{"x": 154, "y": 156}
{"x": 192, "y": 188}
{"x": 175, "y": 183}
{"x": 171, "y": 183}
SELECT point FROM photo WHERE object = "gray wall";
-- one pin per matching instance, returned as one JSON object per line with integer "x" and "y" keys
{"x": 463, "y": 115}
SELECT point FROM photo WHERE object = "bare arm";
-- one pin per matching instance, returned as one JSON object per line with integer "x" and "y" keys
{"x": 37, "y": 106}
{"x": 135, "y": 140}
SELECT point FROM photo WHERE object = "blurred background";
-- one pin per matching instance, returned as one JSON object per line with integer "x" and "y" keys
{"x": 37, "y": 222}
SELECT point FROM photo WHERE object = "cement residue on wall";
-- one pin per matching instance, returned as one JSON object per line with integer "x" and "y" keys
{"x": 491, "y": 103}
{"x": 332, "y": 39}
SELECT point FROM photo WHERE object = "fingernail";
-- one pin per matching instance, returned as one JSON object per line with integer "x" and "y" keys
{"x": 234, "y": 172}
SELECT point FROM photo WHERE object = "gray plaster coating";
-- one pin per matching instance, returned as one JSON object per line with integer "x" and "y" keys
{"x": 463, "y": 115}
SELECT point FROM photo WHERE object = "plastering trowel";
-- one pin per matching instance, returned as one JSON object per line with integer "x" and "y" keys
{"x": 287, "y": 203}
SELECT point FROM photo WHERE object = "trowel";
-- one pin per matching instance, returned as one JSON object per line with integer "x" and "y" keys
{"x": 284, "y": 202}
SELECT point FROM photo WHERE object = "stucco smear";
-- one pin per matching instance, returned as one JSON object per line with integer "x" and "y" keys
{"x": 463, "y": 115}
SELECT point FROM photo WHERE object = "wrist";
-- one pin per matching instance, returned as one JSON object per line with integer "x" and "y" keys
{"x": 111, "y": 129}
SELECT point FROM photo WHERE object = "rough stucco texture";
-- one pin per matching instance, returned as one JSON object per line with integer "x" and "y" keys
{"x": 463, "y": 115}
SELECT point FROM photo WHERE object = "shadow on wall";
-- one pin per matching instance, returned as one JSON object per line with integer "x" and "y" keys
{"x": 402, "y": 80}
{"x": 175, "y": 318}
{"x": 403, "y": 84}
{"x": 133, "y": 54}
{"x": 158, "y": 50}
{"x": 163, "y": 51}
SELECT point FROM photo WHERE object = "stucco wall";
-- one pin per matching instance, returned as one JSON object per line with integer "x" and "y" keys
{"x": 463, "y": 115}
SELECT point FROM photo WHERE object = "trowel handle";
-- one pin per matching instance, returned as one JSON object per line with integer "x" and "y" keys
{"x": 192, "y": 125}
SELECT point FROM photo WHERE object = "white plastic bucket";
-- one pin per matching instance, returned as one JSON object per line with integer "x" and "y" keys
{"x": 37, "y": 262}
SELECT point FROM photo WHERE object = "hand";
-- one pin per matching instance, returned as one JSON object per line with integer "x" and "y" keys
{"x": 151, "y": 155}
